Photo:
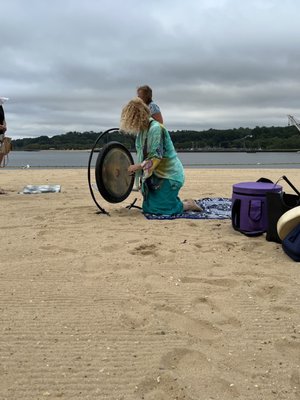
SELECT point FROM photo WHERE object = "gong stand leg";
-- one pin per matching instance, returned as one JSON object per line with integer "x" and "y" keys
{"x": 102, "y": 211}
{"x": 132, "y": 205}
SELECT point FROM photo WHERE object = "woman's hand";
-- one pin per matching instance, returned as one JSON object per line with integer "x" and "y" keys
{"x": 133, "y": 168}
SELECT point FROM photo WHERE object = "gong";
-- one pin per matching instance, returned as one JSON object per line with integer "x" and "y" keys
{"x": 111, "y": 172}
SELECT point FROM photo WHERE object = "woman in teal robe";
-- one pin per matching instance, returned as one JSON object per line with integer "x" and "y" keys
{"x": 158, "y": 172}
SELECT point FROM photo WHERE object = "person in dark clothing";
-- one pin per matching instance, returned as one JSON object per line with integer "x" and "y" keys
{"x": 3, "y": 128}
{"x": 2, "y": 121}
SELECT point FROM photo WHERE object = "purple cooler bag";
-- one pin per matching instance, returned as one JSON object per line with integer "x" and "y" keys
{"x": 249, "y": 206}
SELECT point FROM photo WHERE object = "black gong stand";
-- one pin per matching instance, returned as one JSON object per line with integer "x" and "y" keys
{"x": 113, "y": 181}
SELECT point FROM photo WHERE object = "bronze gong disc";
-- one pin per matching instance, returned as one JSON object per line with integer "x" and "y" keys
{"x": 112, "y": 178}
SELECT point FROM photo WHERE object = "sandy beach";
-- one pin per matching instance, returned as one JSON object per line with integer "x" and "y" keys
{"x": 121, "y": 308}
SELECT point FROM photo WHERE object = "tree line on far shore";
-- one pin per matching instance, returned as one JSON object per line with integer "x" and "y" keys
{"x": 258, "y": 138}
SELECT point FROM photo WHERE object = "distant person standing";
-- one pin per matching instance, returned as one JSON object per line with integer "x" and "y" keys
{"x": 2, "y": 121}
{"x": 3, "y": 126}
{"x": 145, "y": 93}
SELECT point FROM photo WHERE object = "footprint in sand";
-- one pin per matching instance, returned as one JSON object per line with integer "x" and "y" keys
{"x": 135, "y": 315}
{"x": 109, "y": 248}
{"x": 184, "y": 374}
{"x": 168, "y": 319}
{"x": 206, "y": 307}
{"x": 229, "y": 245}
{"x": 249, "y": 247}
{"x": 145, "y": 250}
{"x": 175, "y": 319}
{"x": 206, "y": 301}
{"x": 133, "y": 320}
{"x": 161, "y": 387}
{"x": 289, "y": 349}
{"x": 270, "y": 292}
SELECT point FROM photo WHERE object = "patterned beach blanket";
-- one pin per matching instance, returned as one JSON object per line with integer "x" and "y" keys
{"x": 213, "y": 208}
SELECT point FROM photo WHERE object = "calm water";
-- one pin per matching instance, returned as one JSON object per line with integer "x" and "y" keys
{"x": 79, "y": 159}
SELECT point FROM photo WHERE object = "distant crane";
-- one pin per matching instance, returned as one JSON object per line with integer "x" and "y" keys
{"x": 292, "y": 121}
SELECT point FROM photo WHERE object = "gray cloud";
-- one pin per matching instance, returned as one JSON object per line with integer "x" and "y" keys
{"x": 72, "y": 65}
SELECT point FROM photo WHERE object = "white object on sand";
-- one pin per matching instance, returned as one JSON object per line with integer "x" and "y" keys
{"x": 37, "y": 189}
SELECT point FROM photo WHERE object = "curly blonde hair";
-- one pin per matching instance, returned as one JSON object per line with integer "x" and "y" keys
{"x": 135, "y": 116}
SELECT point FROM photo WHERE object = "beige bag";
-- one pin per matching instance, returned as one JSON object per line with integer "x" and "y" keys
{"x": 5, "y": 148}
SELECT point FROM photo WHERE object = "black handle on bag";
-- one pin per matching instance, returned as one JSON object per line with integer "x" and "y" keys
{"x": 236, "y": 214}
{"x": 264, "y": 180}
{"x": 291, "y": 185}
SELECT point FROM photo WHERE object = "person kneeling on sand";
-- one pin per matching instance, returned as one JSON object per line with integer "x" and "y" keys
{"x": 158, "y": 168}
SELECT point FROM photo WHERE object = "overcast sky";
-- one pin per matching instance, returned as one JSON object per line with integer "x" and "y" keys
{"x": 73, "y": 64}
